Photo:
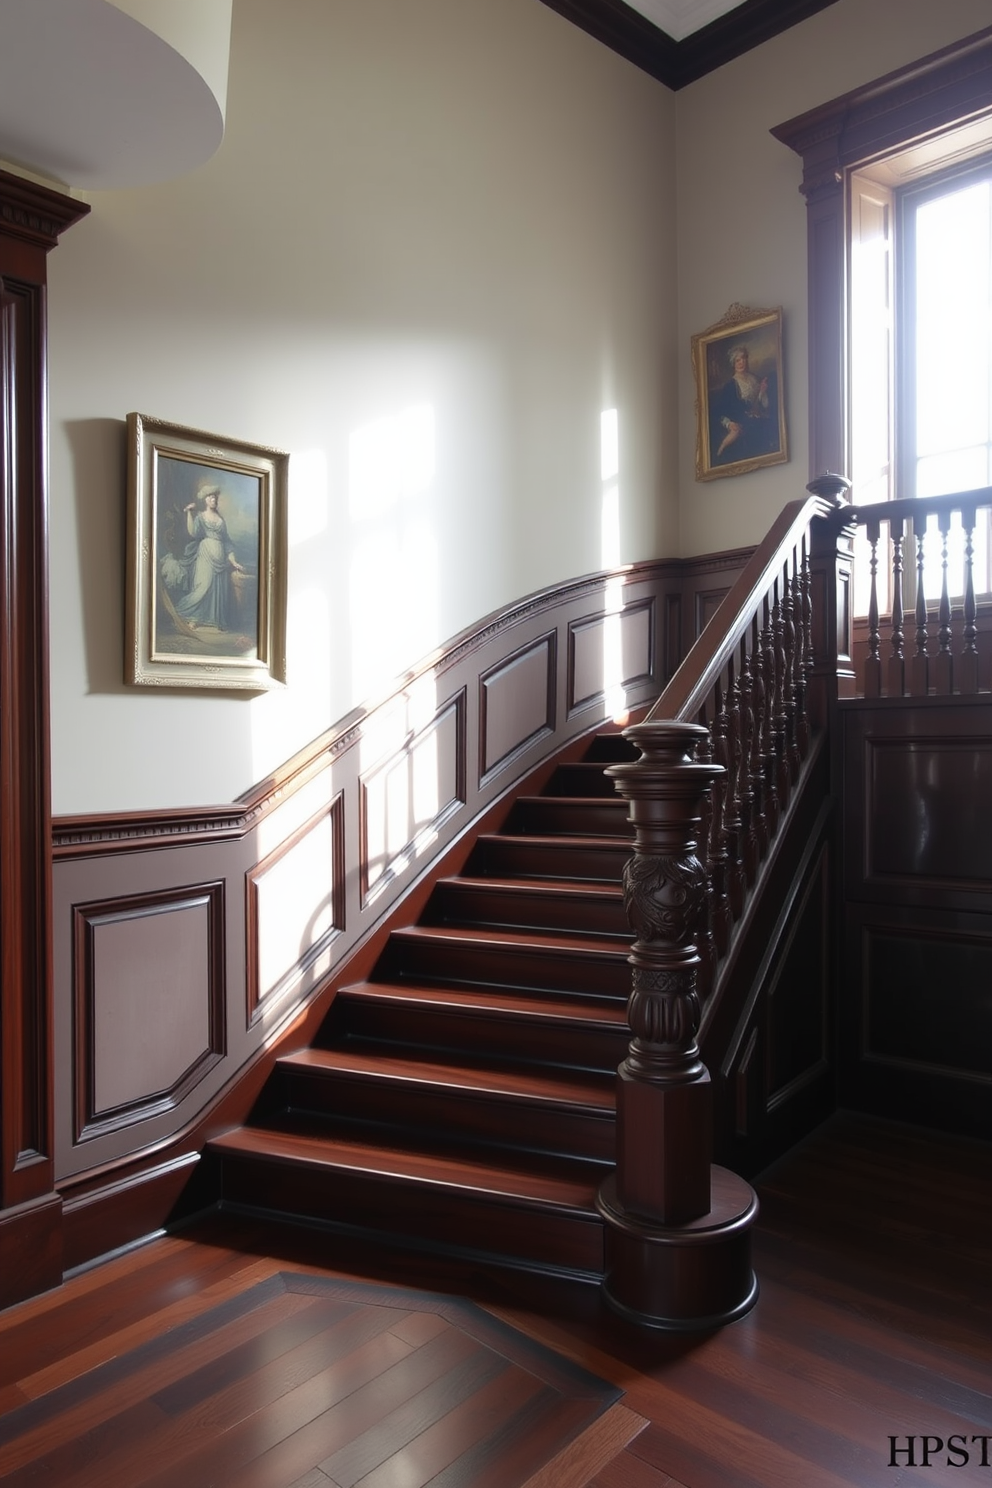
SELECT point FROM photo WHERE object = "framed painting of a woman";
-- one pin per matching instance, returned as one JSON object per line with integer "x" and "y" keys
{"x": 206, "y": 560}
{"x": 740, "y": 411}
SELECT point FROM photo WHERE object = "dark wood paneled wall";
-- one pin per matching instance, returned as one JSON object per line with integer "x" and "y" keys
{"x": 31, "y": 219}
{"x": 917, "y": 1011}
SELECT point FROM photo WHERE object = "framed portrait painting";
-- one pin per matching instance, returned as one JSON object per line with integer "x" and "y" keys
{"x": 740, "y": 406}
{"x": 206, "y": 560}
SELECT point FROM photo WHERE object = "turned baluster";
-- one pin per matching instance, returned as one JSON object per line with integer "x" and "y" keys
{"x": 919, "y": 681}
{"x": 745, "y": 791}
{"x": 733, "y": 827}
{"x": 719, "y": 917}
{"x": 804, "y": 650}
{"x": 943, "y": 664}
{"x": 873, "y": 664}
{"x": 968, "y": 663}
{"x": 705, "y": 936}
{"x": 896, "y": 679}
{"x": 789, "y": 597}
{"x": 757, "y": 764}
{"x": 770, "y": 741}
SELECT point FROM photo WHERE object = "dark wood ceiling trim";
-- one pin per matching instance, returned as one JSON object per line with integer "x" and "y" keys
{"x": 739, "y": 31}
{"x": 625, "y": 32}
{"x": 676, "y": 63}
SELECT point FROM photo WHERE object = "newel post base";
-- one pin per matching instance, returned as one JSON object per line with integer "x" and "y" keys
{"x": 678, "y": 1244}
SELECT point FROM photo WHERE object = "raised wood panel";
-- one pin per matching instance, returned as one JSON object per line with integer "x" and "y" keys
{"x": 622, "y": 642}
{"x": 927, "y": 1003}
{"x": 295, "y": 908}
{"x": 408, "y": 796}
{"x": 517, "y": 703}
{"x": 918, "y": 1017}
{"x": 799, "y": 1001}
{"x": 707, "y": 604}
{"x": 918, "y": 791}
{"x": 149, "y": 1003}
{"x": 924, "y": 810}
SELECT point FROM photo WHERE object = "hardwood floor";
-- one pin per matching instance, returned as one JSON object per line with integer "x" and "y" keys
{"x": 237, "y": 1353}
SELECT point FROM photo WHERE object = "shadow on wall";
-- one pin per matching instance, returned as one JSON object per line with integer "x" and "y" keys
{"x": 99, "y": 462}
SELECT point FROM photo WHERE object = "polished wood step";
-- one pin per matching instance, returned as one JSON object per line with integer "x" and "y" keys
{"x": 559, "y": 906}
{"x": 510, "y": 1106}
{"x": 451, "y": 1203}
{"x": 511, "y": 855}
{"x": 585, "y": 1033}
{"x": 582, "y": 778}
{"x": 568, "y": 816}
{"x": 433, "y": 954}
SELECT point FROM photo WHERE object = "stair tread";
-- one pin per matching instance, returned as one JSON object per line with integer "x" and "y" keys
{"x": 553, "y": 1088}
{"x": 571, "y": 840}
{"x": 587, "y": 1010}
{"x": 437, "y": 1171}
{"x": 583, "y": 888}
{"x": 522, "y": 939}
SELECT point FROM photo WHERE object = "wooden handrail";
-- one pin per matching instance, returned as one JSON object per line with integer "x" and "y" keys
{"x": 909, "y": 507}
{"x": 695, "y": 679}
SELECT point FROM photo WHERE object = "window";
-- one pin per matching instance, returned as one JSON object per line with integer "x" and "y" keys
{"x": 921, "y": 349}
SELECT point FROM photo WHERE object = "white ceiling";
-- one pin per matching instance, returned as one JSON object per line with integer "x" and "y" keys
{"x": 680, "y": 18}
{"x": 93, "y": 97}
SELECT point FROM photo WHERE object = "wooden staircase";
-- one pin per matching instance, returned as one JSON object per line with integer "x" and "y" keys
{"x": 463, "y": 1098}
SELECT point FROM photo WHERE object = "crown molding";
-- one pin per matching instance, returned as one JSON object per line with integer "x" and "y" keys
{"x": 676, "y": 63}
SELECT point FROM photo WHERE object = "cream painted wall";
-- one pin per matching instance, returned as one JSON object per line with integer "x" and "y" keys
{"x": 452, "y": 218}
{"x": 742, "y": 220}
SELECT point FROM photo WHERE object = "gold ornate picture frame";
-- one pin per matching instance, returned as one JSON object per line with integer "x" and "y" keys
{"x": 740, "y": 388}
{"x": 206, "y": 560}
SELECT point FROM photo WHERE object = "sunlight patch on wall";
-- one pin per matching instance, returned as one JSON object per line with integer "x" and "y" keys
{"x": 308, "y": 498}
{"x": 614, "y": 696}
{"x": 301, "y": 709}
{"x": 394, "y": 567}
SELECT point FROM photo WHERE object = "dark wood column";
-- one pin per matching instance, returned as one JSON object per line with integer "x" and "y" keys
{"x": 31, "y": 219}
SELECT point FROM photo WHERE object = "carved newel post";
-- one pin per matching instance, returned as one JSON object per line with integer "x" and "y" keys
{"x": 678, "y": 1245}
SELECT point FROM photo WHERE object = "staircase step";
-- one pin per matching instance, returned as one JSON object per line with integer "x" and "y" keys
{"x": 568, "y": 816}
{"x": 435, "y": 955}
{"x": 608, "y": 748}
{"x": 592, "y": 859}
{"x": 583, "y": 778}
{"x": 493, "y": 1211}
{"x": 558, "y": 906}
{"x": 502, "y": 1106}
{"x": 583, "y": 1033}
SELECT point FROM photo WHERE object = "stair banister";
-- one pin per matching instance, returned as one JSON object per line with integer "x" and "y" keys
{"x": 678, "y": 1250}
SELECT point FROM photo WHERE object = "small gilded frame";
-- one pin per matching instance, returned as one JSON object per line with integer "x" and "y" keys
{"x": 740, "y": 406}
{"x": 206, "y": 560}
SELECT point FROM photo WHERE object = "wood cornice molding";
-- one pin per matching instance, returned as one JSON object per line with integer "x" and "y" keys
{"x": 676, "y": 63}
{"x": 944, "y": 89}
{"x": 35, "y": 213}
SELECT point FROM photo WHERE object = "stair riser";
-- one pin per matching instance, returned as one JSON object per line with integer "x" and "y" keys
{"x": 480, "y": 1034}
{"x": 547, "y": 817}
{"x": 581, "y": 780}
{"x": 434, "y": 962}
{"x": 505, "y": 858}
{"x": 398, "y": 1210}
{"x": 467, "y": 904}
{"x": 444, "y": 1114}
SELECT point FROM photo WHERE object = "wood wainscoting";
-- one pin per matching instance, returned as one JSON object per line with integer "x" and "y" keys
{"x": 188, "y": 944}
{"x": 916, "y": 1009}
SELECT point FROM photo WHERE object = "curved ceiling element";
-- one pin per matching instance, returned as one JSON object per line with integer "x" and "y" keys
{"x": 95, "y": 97}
